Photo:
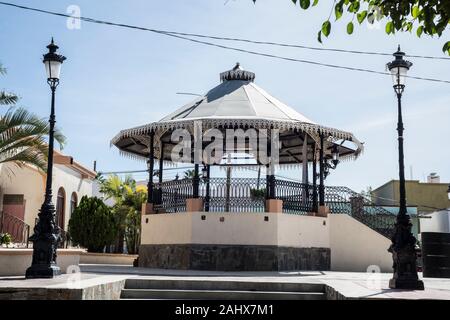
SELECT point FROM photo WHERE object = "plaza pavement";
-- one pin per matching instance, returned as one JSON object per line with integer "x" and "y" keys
{"x": 346, "y": 285}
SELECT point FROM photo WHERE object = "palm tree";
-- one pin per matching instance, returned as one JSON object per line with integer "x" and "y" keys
{"x": 22, "y": 134}
{"x": 112, "y": 188}
{"x": 189, "y": 174}
{"x": 6, "y": 98}
{"x": 128, "y": 203}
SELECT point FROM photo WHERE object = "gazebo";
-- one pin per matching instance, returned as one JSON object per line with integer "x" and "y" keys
{"x": 242, "y": 122}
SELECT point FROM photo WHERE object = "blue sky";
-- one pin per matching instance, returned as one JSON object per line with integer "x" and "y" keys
{"x": 117, "y": 78}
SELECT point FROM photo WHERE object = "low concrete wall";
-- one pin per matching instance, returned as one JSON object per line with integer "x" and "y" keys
{"x": 14, "y": 262}
{"x": 234, "y": 241}
{"x": 247, "y": 228}
{"x": 107, "y": 258}
{"x": 176, "y": 240}
{"x": 355, "y": 247}
{"x": 233, "y": 257}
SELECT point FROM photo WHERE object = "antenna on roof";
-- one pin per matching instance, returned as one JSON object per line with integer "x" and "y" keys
{"x": 189, "y": 94}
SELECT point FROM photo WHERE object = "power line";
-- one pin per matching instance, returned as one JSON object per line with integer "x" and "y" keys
{"x": 288, "y": 45}
{"x": 409, "y": 204}
{"x": 141, "y": 171}
{"x": 270, "y": 43}
{"x": 181, "y": 36}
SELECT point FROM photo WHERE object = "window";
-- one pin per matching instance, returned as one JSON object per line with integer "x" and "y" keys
{"x": 73, "y": 202}
{"x": 60, "y": 206}
{"x": 13, "y": 199}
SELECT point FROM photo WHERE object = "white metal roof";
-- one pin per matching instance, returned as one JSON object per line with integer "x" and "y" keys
{"x": 239, "y": 99}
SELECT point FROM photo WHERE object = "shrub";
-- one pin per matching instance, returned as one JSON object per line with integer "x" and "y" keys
{"x": 92, "y": 225}
{"x": 258, "y": 193}
{"x": 5, "y": 238}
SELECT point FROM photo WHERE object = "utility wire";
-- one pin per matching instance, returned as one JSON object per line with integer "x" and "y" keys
{"x": 409, "y": 204}
{"x": 141, "y": 171}
{"x": 179, "y": 36}
{"x": 280, "y": 44}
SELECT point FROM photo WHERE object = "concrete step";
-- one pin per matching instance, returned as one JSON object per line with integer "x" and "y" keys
{"x": 219, "y": 294}
{"x": 233, "y": 285}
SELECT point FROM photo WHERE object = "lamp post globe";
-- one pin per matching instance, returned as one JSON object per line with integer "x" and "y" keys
{"x": 46, "y": 236}
{"x": 399, "y": 68}
{"x": 53, "y": 62}
{"x": 403, "y": 247}
{"x": 335, "y": 156}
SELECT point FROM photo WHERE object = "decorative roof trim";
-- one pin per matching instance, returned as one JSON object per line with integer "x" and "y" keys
{"x": 237, "y": 73}
{"x": 312, "y": 129}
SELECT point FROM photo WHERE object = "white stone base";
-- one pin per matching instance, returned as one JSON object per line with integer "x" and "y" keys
{"x": 14, "y": 262}
{"x": 107, "y": 258}
{"x": 353, "y": 245}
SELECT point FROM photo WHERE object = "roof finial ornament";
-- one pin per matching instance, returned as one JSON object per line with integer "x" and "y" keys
{"x": 237, "y": 73}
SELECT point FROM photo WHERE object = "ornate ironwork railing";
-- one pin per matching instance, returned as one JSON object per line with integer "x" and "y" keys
{"x": 343, "y": 200}
{"x": 297, "y": 197}
{"x": 64, "y": 240}
{"x": 233, "y": 195}
{"x": 249, "y": 194}
{"x": 17, "y": 228}
{"x": 171, "y": 195}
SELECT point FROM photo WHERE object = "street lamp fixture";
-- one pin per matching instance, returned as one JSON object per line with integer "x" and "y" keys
{"x": 46, "y": 235}
{"x": 53, "y": 63}
{"x": 204, "y": 172}
{"x": 334, "y": 162}
{"x": 399, "y": 68}
{"x": 335, "y": 155}
{"x": 403, "y": 241}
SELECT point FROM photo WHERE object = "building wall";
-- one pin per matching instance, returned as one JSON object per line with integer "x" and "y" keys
{"x": 71, "y": 181}
{"x": 27, "y": 181}
{"x": 31, "y": 183}
{"x": 426, "y": 196}
{"x": 383, "y": 194}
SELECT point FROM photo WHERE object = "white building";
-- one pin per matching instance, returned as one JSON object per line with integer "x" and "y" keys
{"x": 22, "y": 189}
{"x": 438, "y": 221}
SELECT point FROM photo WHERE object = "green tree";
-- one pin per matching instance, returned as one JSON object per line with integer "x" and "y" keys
{"x": 189, "y": 174}
{"x": 128, "y": 200}
{"x": 134, "y": 199}
{"x": 430, "y": 17}
{"x": 23, "y": 134}
{"x": 92, "y": 225}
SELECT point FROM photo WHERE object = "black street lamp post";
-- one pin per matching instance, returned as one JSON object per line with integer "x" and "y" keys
{"x": 403, "y": 242}
{"x": 150, "y": 168}
{"x": 46, "y": 233}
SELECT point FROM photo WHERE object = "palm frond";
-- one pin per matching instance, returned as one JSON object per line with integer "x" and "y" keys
{"x": 2, "y": 69}
{"x": 26, "y": 156}
{"x": 7, "y": 98}
{"x": 28, "y": 123}
{"x": 22, "y": 138}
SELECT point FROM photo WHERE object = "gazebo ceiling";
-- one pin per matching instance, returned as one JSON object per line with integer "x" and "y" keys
{"x": 238, "y": 102}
